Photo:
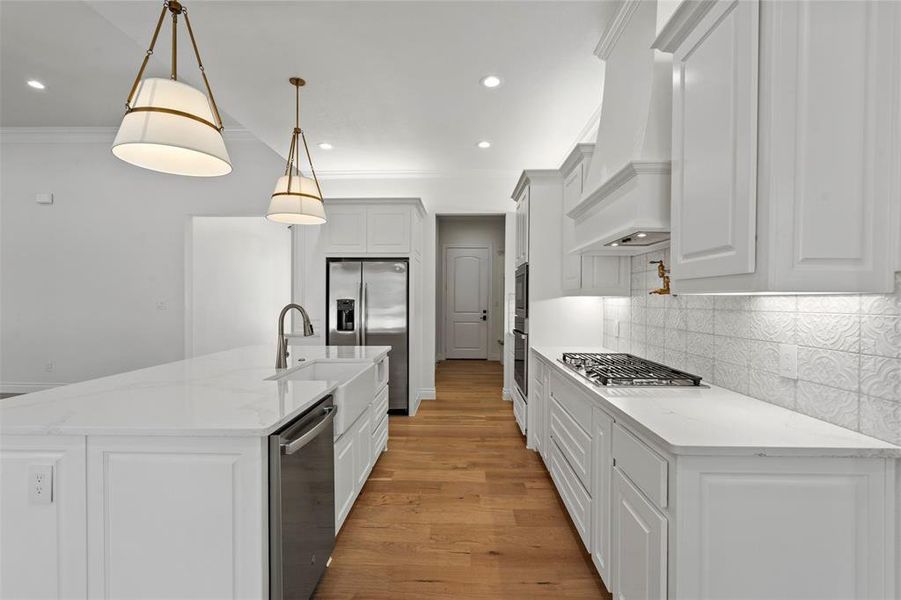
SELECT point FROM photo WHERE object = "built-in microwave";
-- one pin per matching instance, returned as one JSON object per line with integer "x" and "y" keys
{"x": 521, "y": 322}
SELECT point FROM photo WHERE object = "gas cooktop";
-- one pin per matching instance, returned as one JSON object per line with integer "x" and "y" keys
{"x": 625, "y": 369}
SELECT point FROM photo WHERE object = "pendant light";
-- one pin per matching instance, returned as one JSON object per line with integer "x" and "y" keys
{"x": 170, "y": 126}
{"x": 297, "y": 199}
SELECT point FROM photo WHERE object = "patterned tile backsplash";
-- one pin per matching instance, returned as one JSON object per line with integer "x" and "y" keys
{"x": 849, "y": 346}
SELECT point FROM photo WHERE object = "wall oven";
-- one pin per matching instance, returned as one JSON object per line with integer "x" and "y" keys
{"x": 521, "y": 314}
{"x": 521, "y": 363}
{"x": 521, "y": 332}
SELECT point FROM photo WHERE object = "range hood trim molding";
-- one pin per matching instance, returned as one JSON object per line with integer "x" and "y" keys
{"x": 683, "y": 21}
{"x": 630, "y": 171}
{"x": 611, "y": 35}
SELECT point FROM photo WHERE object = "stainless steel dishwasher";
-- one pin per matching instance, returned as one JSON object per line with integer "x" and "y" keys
{"x": 301, "y": 502}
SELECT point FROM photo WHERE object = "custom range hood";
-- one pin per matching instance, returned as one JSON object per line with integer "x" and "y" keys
{"x": 625, "y": 209}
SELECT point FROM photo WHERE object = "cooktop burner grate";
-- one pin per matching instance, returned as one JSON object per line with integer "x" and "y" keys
{"x": 626, "y": 369}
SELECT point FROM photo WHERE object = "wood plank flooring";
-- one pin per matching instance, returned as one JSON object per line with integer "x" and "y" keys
{"x": 458, "y": 508}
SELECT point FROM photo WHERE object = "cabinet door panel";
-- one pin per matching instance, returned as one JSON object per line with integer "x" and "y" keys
{"x": 175, "y": 517}
{"x": 714, "y": 195}
{"x": 362, "y": 450}
{"x": 344, "y": 477}
{"x": 601, "y": 493}
{"x": 345, "y": 230}
{"x": 832, "y": 154}
{"x": 638, "y": 555}
{"x": 388, "y": 229}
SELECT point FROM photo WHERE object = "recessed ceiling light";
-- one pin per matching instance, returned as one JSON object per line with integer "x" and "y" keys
{"x": 326, "y": 146}
{"x": 641, "y": 235}
{"x": 614, "y": 244}
{"x": 484, "y": 144}
{"x": 36, "y": 84}
{"x": 490, "y": 81}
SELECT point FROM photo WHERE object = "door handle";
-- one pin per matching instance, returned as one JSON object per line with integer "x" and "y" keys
{"x": 365, "y": 314}
{"x": 298, "y": 443}
{"x": 485, "y": 315}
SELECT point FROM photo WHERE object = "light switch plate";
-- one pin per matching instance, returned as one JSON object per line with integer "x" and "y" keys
{"x": 40, "y": 484}
{"x": 788, "y": 361}
{"x": 44, "y": 198}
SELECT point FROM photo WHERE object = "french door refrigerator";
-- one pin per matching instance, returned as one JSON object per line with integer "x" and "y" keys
{"x": 367, "y": 306}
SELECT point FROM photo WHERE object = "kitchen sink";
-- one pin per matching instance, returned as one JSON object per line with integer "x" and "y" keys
{"x": 357, "y": 384}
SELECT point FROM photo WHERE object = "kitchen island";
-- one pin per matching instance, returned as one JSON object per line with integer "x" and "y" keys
{"x": 701, "y": 492}
{"x": 155, "y": 483}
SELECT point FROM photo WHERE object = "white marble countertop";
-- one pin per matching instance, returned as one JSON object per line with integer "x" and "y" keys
{"x": 226, "y": 393}
{"x": 715, "y": 421}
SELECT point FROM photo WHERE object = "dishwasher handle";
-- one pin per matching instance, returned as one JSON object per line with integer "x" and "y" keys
{"x": 297, "y": 443}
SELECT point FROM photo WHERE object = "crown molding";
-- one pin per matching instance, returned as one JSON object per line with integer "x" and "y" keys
{"x": 616, "y": 28}
{"x": 412, "y": 174}
{"x": 579, "y": 153}
{"x": 89, "y": 135}
{"x": 682, "y": 22}
{"x": 616, "y": 181}
{"x": 530, "y": 176}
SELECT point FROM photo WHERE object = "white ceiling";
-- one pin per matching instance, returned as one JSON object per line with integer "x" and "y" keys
{"x": 393, "y": 85}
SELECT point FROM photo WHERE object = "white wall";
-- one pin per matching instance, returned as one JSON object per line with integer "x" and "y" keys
{"x": 94, "y": 283}
{"x": 238, "y": 275}
{"x": 487, "y": 231}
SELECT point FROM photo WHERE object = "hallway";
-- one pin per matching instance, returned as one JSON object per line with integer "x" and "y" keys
{"x": 458, "y": 508}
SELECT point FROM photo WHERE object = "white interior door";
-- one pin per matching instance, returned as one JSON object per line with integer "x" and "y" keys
{"x": 466, "y": 272}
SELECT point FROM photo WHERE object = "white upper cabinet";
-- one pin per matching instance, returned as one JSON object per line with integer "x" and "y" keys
{"x": 714, "y": 167}
{"x": 522, "y": 226}
{"x": 586, "y": 275}
{"x": 345, "y": 230}
{"x": 376, "y": 227}
{"x": 785, "y": 171}
{"x": 388, "y": 229}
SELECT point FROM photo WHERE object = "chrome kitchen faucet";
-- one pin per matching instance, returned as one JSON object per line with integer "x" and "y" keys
{"x": 281, "y": 351}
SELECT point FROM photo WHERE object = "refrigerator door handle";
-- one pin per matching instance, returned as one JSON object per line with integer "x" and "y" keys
{"x": 365, "y": 307}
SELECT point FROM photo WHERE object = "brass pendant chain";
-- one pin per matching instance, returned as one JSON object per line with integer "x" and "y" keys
{"x": 176, "y": 9}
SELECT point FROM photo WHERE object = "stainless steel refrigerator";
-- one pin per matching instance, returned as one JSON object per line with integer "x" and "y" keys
{"x": 368, "y": 306}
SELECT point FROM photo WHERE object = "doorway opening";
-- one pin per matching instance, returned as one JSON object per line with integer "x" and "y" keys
{"x": 469, "y": 295}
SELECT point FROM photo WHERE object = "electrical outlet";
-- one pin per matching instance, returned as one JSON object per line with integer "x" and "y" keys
{"x": 788, "y": 361}
{"x": 162, "y": 305}
{"x": 48, "y": 366}
{"x": 40, "y": 484}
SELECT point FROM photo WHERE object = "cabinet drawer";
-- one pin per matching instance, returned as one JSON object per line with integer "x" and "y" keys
{"x": 574, "y": 496}
{"x": 572, "y": 399}
{"x": 379, "y": 408}
{"x": 646, "y": 468}
{"x": 519, "y": 411}
{"x": 573, "y": 442}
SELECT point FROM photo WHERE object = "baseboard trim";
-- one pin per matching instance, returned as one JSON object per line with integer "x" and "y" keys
{"x": 428, "y": 393}
{"x": 12, "y": 387}
{"x": 505, "y": 394}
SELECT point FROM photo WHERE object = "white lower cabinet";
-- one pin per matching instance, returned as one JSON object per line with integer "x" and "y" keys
{"x": 713, "y": 525}
{"x": 520, "y": 409}
{"x": 156, "y": 504}
{"x": 42, "y": 547}
{"x": 356, "y": 453}
{"x": 602, "y": 465}
{"x": 345, "y": 482}
{"x": 638, "y": 543}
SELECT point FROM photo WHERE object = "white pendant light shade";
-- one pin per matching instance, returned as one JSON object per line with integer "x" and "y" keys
{"x": 301, "y": 205}
{"x": 171, "y": 128}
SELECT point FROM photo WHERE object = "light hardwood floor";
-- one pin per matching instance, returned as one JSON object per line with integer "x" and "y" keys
{"x": 458, "y": 508}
